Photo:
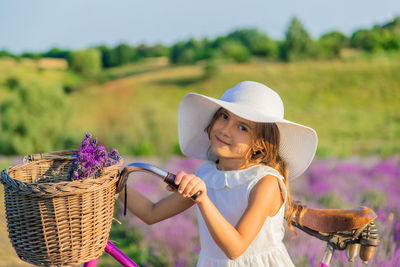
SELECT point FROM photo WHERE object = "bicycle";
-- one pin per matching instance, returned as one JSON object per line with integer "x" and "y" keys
{"x": 353, "y": 230}
{"x": 350, "y": 230}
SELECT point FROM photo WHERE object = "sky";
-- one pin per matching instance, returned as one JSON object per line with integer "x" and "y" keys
{"x": 37, "y": 26}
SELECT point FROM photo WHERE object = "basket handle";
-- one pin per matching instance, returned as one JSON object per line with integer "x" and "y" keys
{"x": 167, "y": 177}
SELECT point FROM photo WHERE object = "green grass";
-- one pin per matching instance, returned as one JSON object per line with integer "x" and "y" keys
{"x": 352, "y": 103}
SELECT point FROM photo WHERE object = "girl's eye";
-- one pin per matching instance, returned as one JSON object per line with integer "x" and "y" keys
{"x": 243, "y": 128}
{"x": 224, "y": 116}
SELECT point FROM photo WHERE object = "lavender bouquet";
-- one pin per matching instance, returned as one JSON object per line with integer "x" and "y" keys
{"x": 91, "y": 159}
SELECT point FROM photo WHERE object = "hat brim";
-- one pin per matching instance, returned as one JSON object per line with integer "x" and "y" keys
{"x": 297, "y": 146}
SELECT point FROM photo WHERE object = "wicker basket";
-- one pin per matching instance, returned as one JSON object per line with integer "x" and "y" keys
{"x": 58, "y": 223}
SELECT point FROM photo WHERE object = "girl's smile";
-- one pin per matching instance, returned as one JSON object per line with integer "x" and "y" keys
{"x": 230, "y": 139}
{"x": 221, "y": 142}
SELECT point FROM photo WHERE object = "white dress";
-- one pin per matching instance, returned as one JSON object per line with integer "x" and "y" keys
{"x": 229, "y": 191}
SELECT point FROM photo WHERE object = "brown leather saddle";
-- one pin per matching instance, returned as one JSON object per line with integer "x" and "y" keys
{"x": 352, "y": 230}
{"x": 335, "y": 220}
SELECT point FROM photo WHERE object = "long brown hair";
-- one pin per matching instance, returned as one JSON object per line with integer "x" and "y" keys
{"x": 264, "y": 149}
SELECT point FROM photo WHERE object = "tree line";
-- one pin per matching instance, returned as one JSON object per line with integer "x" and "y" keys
{"x": 240, "y": 45}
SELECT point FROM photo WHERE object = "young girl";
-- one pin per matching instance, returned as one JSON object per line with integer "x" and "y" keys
{"x": 251, "y": 153}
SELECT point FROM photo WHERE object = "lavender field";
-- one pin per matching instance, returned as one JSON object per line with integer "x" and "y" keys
{"x": 328, "y": 183}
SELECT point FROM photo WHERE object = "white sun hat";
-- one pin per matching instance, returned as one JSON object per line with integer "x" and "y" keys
{"x": 252, "y": 101}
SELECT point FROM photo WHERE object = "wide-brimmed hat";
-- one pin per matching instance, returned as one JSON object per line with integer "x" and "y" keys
{"x": 252, "y": 101}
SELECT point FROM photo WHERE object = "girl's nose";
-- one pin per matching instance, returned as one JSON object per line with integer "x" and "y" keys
{"x": 227, "y": 129}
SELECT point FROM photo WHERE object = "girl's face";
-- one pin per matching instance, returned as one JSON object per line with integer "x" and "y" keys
{"x": 230, "y": 139}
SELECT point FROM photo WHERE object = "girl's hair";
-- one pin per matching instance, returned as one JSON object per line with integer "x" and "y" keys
{"x": 264, "y": 149}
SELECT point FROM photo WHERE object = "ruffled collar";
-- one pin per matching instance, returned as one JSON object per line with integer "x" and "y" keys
{"x": 218, "y": 179}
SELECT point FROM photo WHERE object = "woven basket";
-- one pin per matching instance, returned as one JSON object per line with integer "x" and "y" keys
{"x": 60, "y": 223}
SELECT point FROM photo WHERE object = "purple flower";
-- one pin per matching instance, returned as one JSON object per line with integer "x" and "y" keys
{"x": 91, "y": 159}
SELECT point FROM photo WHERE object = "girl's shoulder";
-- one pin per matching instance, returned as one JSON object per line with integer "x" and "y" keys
{"x": 215, "y": 178}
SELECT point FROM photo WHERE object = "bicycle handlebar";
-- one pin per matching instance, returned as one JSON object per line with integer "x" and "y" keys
{"x": 167, "y": 177}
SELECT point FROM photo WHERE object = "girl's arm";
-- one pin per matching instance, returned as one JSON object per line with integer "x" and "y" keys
{"x": 150, "y": 212}
{"x": 265, "y": 200}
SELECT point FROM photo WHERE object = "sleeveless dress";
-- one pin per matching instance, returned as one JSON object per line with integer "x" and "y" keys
{"x": 229, "y": 191}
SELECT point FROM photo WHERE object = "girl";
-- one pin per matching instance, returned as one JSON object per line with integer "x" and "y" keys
{"x": 251, "y": 153}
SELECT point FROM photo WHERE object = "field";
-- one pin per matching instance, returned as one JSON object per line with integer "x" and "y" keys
{"x": 352, "y": 103}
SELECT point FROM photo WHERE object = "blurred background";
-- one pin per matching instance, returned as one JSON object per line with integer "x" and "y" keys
{"x": 119, "y": 70}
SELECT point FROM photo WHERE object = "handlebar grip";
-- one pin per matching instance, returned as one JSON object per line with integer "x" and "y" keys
{"x": 170, "y": 180}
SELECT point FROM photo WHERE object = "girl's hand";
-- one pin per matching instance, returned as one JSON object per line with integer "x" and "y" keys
{"x": 189, "y": 184}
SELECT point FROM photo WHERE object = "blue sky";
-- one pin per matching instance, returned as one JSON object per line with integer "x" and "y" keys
{"x": 38, "y": 25}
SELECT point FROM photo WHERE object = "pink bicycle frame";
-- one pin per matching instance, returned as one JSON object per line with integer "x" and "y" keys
{"x": 116, "y": 254}
{"x": 127, "y": 262}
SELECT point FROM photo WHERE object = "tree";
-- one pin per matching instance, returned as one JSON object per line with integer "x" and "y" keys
{"x": 108, "y": 56}
{"x": 33, "y": 119}
{"x": 5, "y": 53}
{"x": 199, "y": 48}
{"x": 366, "y": 39}
{"x": 330, "y": 44}
{"x": 159, "y": 50}
{"x": 386, "y": 37}
{"x": 258, "y": 43}
{"x": 184, "y": 52}
{"x": 236, "y": 50}
{"x": 31, "y": 55}
{"x": 125, "y": 54}
{"x": 191, "y": 51}
{"x": 176, "y": 51}
{"x": 87, "y": 62}
{"x": 390, "y": 40}
{"x": 391, "y": 34}
{"x": 298, "y": 44}
{"x": 56, "y": 52}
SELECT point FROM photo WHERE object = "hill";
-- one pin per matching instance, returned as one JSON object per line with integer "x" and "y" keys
{"x": 351, "y": 102}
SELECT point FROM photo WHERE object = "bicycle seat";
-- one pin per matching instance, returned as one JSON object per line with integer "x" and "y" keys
{"x": 336, "y": 220}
